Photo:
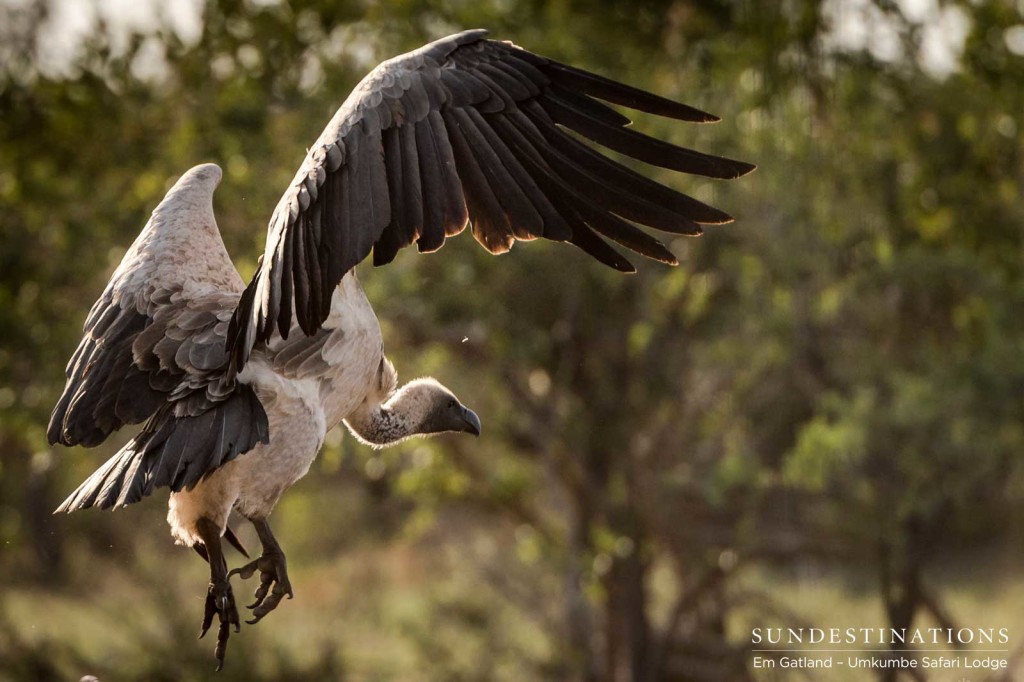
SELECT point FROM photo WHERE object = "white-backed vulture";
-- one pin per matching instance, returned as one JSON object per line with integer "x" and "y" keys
{"x": 237, "y": 385}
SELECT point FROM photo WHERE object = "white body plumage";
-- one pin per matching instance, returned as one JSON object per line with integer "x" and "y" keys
{"x": 305, "y": 395}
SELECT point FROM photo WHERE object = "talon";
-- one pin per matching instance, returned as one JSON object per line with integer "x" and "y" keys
{"x": 273, "y": 570}
{"x": 243, "y": 572}
{"x": 220, "y": 601}
{"x": 219, "y": 597}
{"x": 274, "y": 584}
{"x": 261, "y": 591}
{"x": 207, "y": 616}
{"x": 222, "y": 645}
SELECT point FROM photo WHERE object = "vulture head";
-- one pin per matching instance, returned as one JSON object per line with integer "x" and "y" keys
{"x": 427, "y": 407}
{"x": 421, "y": 407}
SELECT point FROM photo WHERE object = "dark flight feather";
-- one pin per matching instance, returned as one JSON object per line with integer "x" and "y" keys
{"x": 175, "y": 452}
{"x": 434, "y": 196}
{"x": 163, "y": 363}
{"x": 468, "y": 129}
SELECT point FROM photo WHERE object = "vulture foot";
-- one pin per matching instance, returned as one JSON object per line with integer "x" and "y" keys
{"x": 273, "y": 568}
{"x": 273, "y": 585}
{"x": 220, "y": 601}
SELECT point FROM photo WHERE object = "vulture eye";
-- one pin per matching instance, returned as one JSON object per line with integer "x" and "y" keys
{"x": 451, "y": 404}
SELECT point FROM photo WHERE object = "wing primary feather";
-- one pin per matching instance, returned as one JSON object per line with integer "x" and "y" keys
{"x": 585, "y": 238}
{"x": 284, "y": 263}
{"x": 641, "y": 147}
{"x": 556, "y": 226}
{"x": 522, "y": 73}
{"x": 521, "y": 136}
{"x": 522, "y": 62}
{"x": 494, "y": 99}
{"x": 432, "y": 236}
{"x": 598, "y": 110}
{"x": 626, "y": 179}
{"x": 241, "y": 332}
{"x": 378, "y": 184}
{"x": 567, "y": 201}
{"x": 278, "y": 272}
{"x": 317, "y": 290}
{"x": 552, "y": 225}
{"x": 330, "y": 194}
{"x": 490, "y": 223}
{"x": 412, "y": 188}
{"x": 352, "y": 193}
{"x": 508, "y": 85}
{"x": 391, "y": 239}
{"x": 620, "y": 93}
{"x": 362, "y": 206}
{"x": 617, "y": 229}
{"x": 456, "y": 213}
{"x": 497, "y": 164}
{"x": 623, "y": 203}
{"x": 300, "y": 277}
{"x": 100, "y": 410}
{"x": 327, "y": 260}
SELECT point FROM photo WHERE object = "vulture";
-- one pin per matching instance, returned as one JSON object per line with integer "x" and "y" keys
{"x": 236, "y": 385}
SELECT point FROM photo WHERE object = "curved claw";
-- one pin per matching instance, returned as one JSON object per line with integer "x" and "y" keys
{"x": 270, "y": 603}
{"x": 244, "y": 572}
{"x": 220, "y": 601}
{"x": 274, "y": 583}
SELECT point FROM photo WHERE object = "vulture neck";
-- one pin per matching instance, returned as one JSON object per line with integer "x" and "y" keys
{"x": 380, "y": 425}
{"x": 379, "y": 421}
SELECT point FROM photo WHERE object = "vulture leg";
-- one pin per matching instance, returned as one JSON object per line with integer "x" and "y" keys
{"x": 273, "y": 570}
{"x": 230, "y": 536}
{"x": 219, "y": 599}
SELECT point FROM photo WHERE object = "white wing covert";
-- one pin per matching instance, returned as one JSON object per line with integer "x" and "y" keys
{"x": 154, "y": 349}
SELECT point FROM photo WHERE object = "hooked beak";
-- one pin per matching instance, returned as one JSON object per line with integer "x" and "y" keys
{"x": 471, "y": 422}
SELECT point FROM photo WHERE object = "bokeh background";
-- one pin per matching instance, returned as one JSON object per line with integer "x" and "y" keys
{"x": 817, "y": 419}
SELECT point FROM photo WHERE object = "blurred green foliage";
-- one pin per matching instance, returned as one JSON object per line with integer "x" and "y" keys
{"x": 833, "y": 385}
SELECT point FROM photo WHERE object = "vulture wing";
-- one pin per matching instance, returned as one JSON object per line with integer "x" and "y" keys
{"x": 468, "y": 130}
{"x": 154, "y": 349}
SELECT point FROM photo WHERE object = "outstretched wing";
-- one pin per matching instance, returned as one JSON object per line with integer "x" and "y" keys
{"x": 468, "y": 129}
{"x": 154, "y": 349}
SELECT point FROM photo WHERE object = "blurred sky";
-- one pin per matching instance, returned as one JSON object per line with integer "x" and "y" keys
{"x": 856, "y": 24}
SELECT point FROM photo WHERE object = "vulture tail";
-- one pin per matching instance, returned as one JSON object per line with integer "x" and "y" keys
{"x": 230, "y": 536}
{"x": 175, "y": 451}
{"x": 104, "y": 486}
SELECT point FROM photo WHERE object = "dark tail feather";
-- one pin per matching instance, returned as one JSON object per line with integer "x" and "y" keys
{"x": 104, "y": 486}
{"x": 176, "y": 452}
{"x": 230, "y": 536}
